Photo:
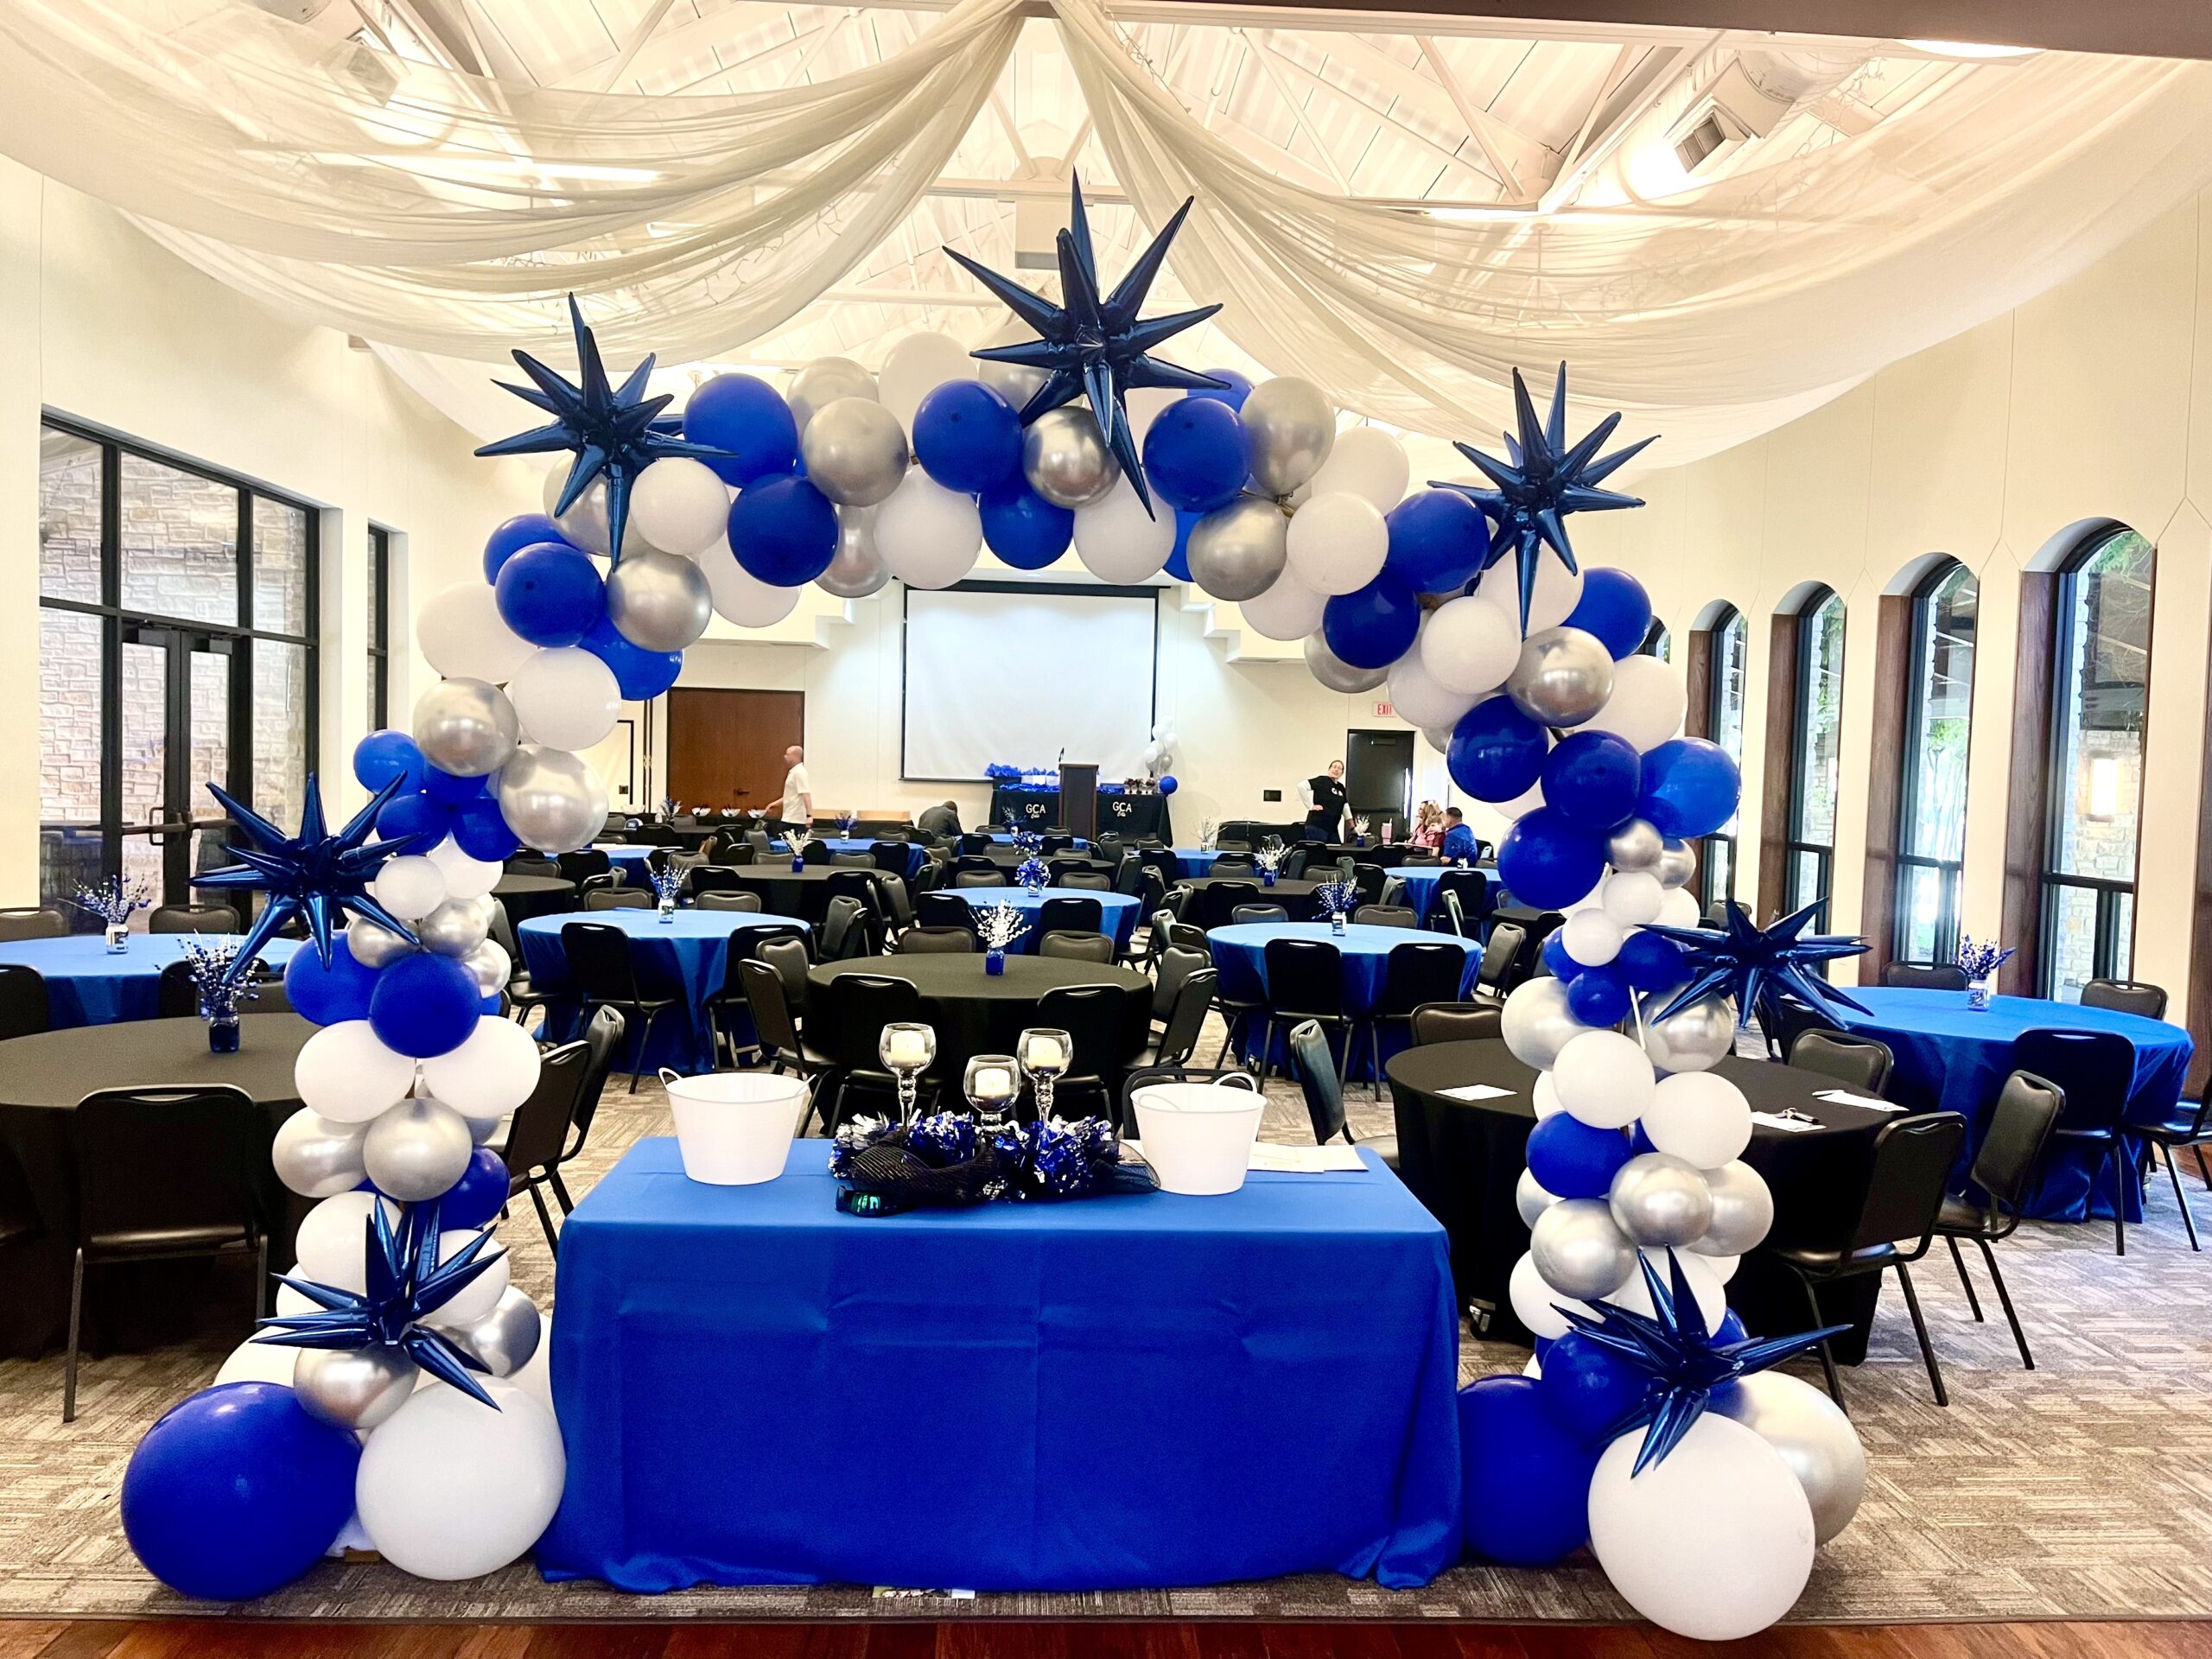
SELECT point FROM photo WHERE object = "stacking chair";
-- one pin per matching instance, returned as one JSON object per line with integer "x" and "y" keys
{"x": 522, "y": 993}
{"x": 604, "y": 972}
{"x": 1305, "y": 980}
{"x": 853, "y": 860}
{"x": 1791, "y": 1015}
{"x": 1448, "y": 907}
{"x": 617, "y": 898}
{"x": 1085, "y": 881}
{"x": 1233, "y": 864}
{"x": 1172, "y": 967}
{"x": 935, "y": 910}
{"x": 860, "y": 1006}
{"x": 25, "y": 1009}
{"x": 2094, "y": 1070}
{"x": 1178, "y": 1039}
{"x": 1454, "y": 1022}
{"x": 861, "y": 886}
{"x": 889, "y": 856}
{"x": 1213, "y": 905}
{"x": 523, "y": 864}
{"x": 1259, "y": 913}
{"x": 1420, "y": 973}
{"x": 1499, "y": 954}
{"x": 1910, "y": 1167}
{"x": 1189, "y": 937}
{"x": 582, "y": 864}
{"x": 1060, "y": 869}
{"x": 791, "y": 953}
{"x": 1092, "y": 1015}
{"x": 2019, "y": 1129}
{"x": 975, "y": 841}
{"x": 1128, "y": 876}
{"x": 177, "y": 994}
{"x": 994, "y": 877}
{"x": 2126, "y": 996}
{"x": 1057, "y": 841}
{"x": 1324, "y": 1091}
{"x": 1924, "y": 975}
{"x": 1370, "y": 879}
{"x": 894, "y": 905}
{"x": 1072, "y": 916}
{"x": 844, "y": 929}
{"x": 733, "y": 899}
{"x": 815, "y": 850}
{"x": 938, "y": 941}
{"x": 1387, "y": 916}
{"x": 603, "y": 1034}
{"x": 1863, "y": 1062}
{"x": 30, "y": 922}
{"x": 774, "y": 1024}
{"x": 1295, "y": 861}
{"x": 705, "y": 879}
{"x": 2187, "y": 1123}
{"x": 193, "y": 918}
{"x": 539, "y": 1132}
{"x": 1074, "y": 945}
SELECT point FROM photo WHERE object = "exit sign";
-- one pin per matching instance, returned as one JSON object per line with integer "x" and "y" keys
{"x": 1384, "y": 711}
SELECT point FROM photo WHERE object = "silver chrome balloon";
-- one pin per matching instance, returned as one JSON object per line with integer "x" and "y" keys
{"x": 658, "y": 602}
{"x": 1814, "y": 1436}
{"x": 1656, "y": 1200}
{"x": 417, "y": 1150}
{"x": 488, "y": 964}
{"x": 1530, "y": 1198}
{"x": 1536, "y": 1022}
{"x": 316, "y": 1158}
{"x": 1696, "y": 1040}
{"x": 353, "y": 1387}
{"x": 1579, "y": 1250}
{"x": 1743, "y": 1211}
{"x": 855, "y": 451}
{"x": 1014, "y": 382}
{"x": 1237, "y": 552}
{"x": 857, "y": 568}
{"x": 505, "y": 1337}
{"x": 466, "y": 727}
{"x": 373, "y": 945}
{"x": 1293, "y": 429}
{"x": 1635, "y": 846}
{"x": 1336, "y": 673}
{"x": 1065, "y": 457}
{"x": 822, "y": 383}
{"x": 1563, "y": 677}
{"x": 551, "y": 799}
{"x": 585, "y": 523}
{"x": 457, "y": 926}
{"x": 1677, "y": 863}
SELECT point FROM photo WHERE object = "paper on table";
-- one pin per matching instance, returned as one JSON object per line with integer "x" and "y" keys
{"x": 1475, "y": 1091}
{"x": 1304, "y": 1160}
{"x": 1844, "y": 1097}
{"x": 1795, "y": 1125}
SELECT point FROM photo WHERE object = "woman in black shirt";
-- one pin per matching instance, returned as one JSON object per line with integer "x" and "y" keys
{"x": 1325, "y": 802}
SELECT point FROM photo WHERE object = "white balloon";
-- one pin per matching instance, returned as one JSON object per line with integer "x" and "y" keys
{"x": 1546, "y": 1096}
{"x": 1118, "y": 541}
{"x": 1631, "y": 898}
{"x": 929, "y": 536}
{"x": 1699, "y": 1117}
{"x": 1534, "y": 1370}
{"x": 481, "y": 1294}
{"x": 1145, "y": 404}
{"x": 461, "y": 634}
{"x": 1557, "y": 591}
{"x": 409, "y": 886}
{"x": 1368, "y": 463}
{"x": 489, "y": 1075}
{"x": 1591, "y": 937}
{"x": 916, "y": 366}
{"x": 1536, "y": 1305}
{"x": 1336, "y": 543}
{"x": 1288, "y": 610}
{"x": 259, "y": 1362}
{"x": 1604, "y": 1078}
{"x": 1714, "y": 1542}
{"x": 332, "y": 1246}
{"x": 465, "y": 877}
{"x": 1536, "y": 1023}
{"x": 448, "y": 1490}
{"x": 742, "y": 597}
{"x": 1679, "y": 909}
{"x": 1470, "y": 646}
{"x": 1420, "y": 699}
{"x": 680, "y": 505}
{"x": 566, "y": 698}
{"x": 344, "y": 1072}
{"x": 1647, "y": 702}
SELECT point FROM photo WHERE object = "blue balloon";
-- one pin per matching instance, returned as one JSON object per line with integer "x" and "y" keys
{"x": 1593, "y": 777}
{"x": 1598, "y": 996}
{"x": 423, "y": 1005}
{"x": 1168, "y": 785}
{"x": 1615, "y": 608}
{"x": 415, "y": 815}
{"x": 383, "y": 755}
{"x": 1525, "y": 1478}
{"x": 524, "y": 530}
{"x": 1588, "y": 1389}
{"x": 479, "y": 830}
{"x": 236, "y": 1490}
{"x": 325, "y": 996}
{"x": 1567, "y": 1157}
{"x": 1234, "y": 394}
{"x": 551, "y": 594}
{"x": 1690, "y": 787}
{"x": 1197, "y": 455}
{"x": 1648, "y": 961}
{"x": 967, "y": 436}
{"x": 1438, "y": 540}
{"x": 1731, "y": 1328}
{"x": 748, "y": 417}
{"x": 784, "y": 530}
{"x": 1023, "y": 528}
{"x": 640, "y": 674}
{"x": 449, "y": 789}
{"x": 1554, "y": 956}
{"x": 1375, "y": 625}
{"x": 1548, "y": 860}
{"x": 478, "y": 1195}
{"x": 1178, "y": 562}
{"x": 1497, "y": 753}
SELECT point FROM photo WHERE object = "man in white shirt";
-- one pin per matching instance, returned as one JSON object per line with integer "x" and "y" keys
{"x": 797, "y": 808}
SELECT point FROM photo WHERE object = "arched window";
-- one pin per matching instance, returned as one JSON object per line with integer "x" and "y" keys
{"x": 1815, "y": 751}
{"x": 1727, "y": 643}
{"x": 1932, "y": 767}
{"x": 2099, "y": 695}
{"x": 1658, "y": 642}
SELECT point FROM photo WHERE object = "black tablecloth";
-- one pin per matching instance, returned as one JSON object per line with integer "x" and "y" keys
{"x": 786, "y": 892}
{"x": 1463, "y": 1158}
{"x": 1131, "y": 816}
{"x": 41, "y": 1080}
{"x": 525, "y": 896}
{"x": 1294, "y": 896}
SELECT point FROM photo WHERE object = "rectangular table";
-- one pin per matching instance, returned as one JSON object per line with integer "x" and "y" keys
{"x": 1132, "y": 1391}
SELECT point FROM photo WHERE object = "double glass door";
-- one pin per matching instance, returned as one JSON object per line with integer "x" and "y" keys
{"x": 177, "y": 706}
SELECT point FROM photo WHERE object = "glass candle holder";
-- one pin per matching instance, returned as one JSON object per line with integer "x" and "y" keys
{"x": 1045, "y": 1054}
{"x": 118, "y": 938}
{"x": 907, "y": 1050}
{"x": 992, "y": 1083}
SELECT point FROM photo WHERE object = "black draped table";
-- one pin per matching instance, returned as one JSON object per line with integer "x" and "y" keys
{"x": 1129, "y": 816}
{"x": 41, "y": 1079}
{"x": 1462, "y": 1158}
{"x": 787, "y": 892}
{"x": 1294, "y": 895}
{"x": 525, "y": 896}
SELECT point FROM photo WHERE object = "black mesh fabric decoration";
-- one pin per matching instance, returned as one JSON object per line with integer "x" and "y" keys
{"x": 944, "y": 1162}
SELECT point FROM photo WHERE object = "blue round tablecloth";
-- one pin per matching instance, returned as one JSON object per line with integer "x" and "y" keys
{"x": 1117, "y": 911}
{"x": 1240, "y": 953}
{"x": 86, "y": 986}
{"x": 631, "y": 860}
{"x": 686, "y": 956}
{"x": 1951, "y": 1058}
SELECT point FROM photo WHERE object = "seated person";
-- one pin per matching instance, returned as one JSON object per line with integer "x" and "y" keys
{"x": 1458, "y": 844}
{"x": 1428, "y": 825}
{"x": 943, "y": 819}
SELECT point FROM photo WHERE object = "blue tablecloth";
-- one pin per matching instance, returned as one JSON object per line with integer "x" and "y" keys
{"x": 1952, "y": 1059}
{"x": 1240, "y": 952}
{"x": 1117, "y": 911}
{"x": 629, "y": 862}
{"x": 1138, "y": 1391}
{"x": 687, "y": 957}
{"x": 86, "y": 986}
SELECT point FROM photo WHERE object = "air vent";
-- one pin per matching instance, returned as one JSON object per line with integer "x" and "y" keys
{"x": 1700, "y": 142}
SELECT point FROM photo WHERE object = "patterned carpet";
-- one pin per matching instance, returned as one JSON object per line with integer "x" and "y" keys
{"x": 2082, "y": 1490}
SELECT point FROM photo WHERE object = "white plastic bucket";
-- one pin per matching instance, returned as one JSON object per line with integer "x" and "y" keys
{"x": 735, "y": 1128}
{"x": 1197, "y": 1136}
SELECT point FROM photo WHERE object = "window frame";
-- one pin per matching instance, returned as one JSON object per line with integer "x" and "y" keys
{"x": 379, "y": 619}
{"x": 1795, "y": 844}
{"x": 1951, "y": 873}
{"x": 1716, "y": 691}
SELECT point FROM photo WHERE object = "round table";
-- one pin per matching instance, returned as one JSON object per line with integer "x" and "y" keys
{"x": 86, "y": 985}
{"x": 630, "y": 862}
{"x": 1953, "y": 1059}
{"x": 975, "y": 1012}
{"x": 1239, "y": 950}
{"x": 1422, "y": 881}
{"x": 1295, "y": 896}
{"x": 1461, "y": 1158}
{"x": 1118, "y": 912}
{"x": 686, "y": 956}
{"x": 794, "y": 892}
{"x": 41, "y": 1079}
{"x": 525, "y": 896}
{"x": 917, "y": 855}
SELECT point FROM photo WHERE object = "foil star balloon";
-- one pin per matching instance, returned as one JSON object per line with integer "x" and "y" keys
{"x": 407, "y": 1283}
{"x": 1541, "y": 481}
{"x": 1760, "y": 967}
{"x": 616, "y": 431}
{"x": 1092, "y": 346}
{"x": 313, "y": 874}
{"x": 1683, "y": 1364}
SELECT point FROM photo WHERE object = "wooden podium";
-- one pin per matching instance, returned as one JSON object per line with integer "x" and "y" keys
{"x": 1079, "y": 800}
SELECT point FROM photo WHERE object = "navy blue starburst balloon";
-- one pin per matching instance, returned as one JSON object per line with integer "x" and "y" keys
{"x": 1541, "y": 481}
{"x": 616, "y": 431}
{"x": 1683, "y": 1364}
{"x": 1093, "y": 348}
{"x": 407, "y": 1283}
{"x": 1758, "y": 967}
{"x": 314, "y": 874}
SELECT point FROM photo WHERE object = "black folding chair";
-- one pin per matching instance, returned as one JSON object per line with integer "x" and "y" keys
{"x": 603, "y": 970}
{"x": 2094, "y": 1071}
{"x": 1924, "y": 975}
{"x": 1187, "y": 1009}
{"x": 1417, "y": 974}
{"x": 1093, "y": 1016}
{"x": 193, "y": 918}
{"x": 31, "y": 922}
{"x": 1071, "y": 945}
{"x": 858, "y": 1005}
{"x": 1324, "y": 1091}
{"x": 1064, "y": 915}
{"x": 1865, "y": 1062}
{"x": 538, "y": 1133}
{"x": 1305, "y": 980}
{"x": 935, "y": 941}
{"x": 2126, "y": 996}
{"x": 2019, "y": 1129}
{"x": 1454, "y": 1022}
{"x": 24, "y": 1007}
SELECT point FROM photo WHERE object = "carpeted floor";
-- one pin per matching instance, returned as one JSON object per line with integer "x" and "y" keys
{"x": 2082, "y": 1490}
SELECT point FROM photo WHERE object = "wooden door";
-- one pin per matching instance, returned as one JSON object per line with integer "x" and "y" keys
{"x": 725, "y": 748}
